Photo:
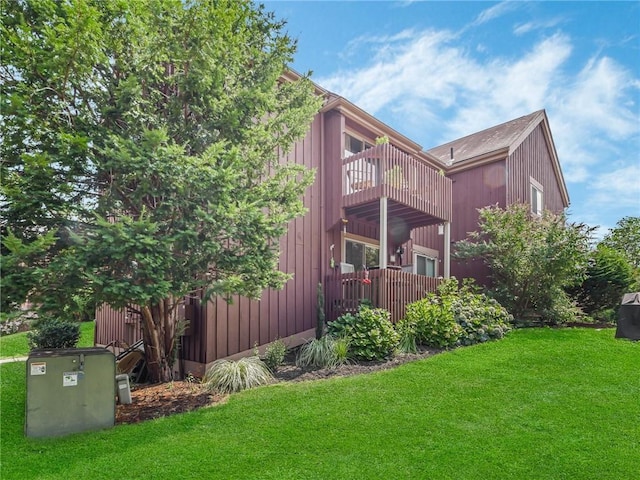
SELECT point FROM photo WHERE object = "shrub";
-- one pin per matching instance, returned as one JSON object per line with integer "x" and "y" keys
{"x": 370, "y": 332}
{"x": 54, "y": 333}
{"x": 457, "y": 316}
{"x": 317, "y": 353}
{"x": 533, "y": 259}
{"x": 227, "y": 376}
{"x": 274, "y": 354}
{"x": 481, "y": 318}
{"x": 433, "y": 321}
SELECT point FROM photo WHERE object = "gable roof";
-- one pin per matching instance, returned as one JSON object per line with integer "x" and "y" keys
{"x": 497, "y": 143}
{"x": 502, "y": 138}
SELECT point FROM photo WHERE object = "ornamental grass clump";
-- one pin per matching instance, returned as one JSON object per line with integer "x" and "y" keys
{"x": 317, "y": 353}
{"x": 228, "y": 376}
{"x": 408, "y": 334}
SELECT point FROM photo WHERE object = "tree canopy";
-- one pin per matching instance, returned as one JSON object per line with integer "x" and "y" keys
{"x": 625, "y": 238}
{"x": 533, "y": 259}
{"x": 143, "y": 154}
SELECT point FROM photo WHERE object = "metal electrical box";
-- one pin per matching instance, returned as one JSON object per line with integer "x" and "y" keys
{"x": 70, "y": 390}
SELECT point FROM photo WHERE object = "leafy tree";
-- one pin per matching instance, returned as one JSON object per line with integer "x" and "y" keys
{"x": 608, "y": 277}
{"x": 143, "y": 160}
{"x": 625, "y": 238}
{"x": 532, "y": 259}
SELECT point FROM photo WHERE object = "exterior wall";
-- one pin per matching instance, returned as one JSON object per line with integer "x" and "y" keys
{"x": 473, "y": 189}
{"x": 532, "y": 159}
{"x": 227, "y": 329}
{"x": 220, "y": 329}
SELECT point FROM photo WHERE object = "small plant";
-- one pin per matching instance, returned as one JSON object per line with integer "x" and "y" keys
{"x": 370, "y": 332}
{"x": 53, "y": 333}
{"x": 407, "y": 337}
{"x": 274, "y": 354}
{"x": 317, "y": 353}
{"x": 341, "y": 350}
{"x": 228, "y": 376}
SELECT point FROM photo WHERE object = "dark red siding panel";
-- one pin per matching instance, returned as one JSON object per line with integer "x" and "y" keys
{"x": 532, "y": 159}
{"x": 473, "y": 189}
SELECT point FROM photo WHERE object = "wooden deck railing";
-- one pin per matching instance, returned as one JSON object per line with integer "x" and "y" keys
{"x": 384, "y": 170}
{"x": 388, "y": 289}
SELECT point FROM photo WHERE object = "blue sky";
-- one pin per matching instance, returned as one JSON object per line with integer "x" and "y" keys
{"x": 436, "y": 71}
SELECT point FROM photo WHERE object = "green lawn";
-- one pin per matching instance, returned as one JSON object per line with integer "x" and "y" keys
{"x": 16, "y": 345}
{"x": 540, "y": 404}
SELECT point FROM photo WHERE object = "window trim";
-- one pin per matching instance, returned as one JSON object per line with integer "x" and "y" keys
{"x": 366, "y": 143}
{"x": 536, "y": 195}
{"x": 366, "y": 241}
{"x": 429, "y": 254}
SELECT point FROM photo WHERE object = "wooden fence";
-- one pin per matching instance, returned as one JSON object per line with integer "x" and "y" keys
{"x": 388, "y": 289}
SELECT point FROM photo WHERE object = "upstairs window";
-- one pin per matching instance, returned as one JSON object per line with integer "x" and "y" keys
{"x": 353, "y": 145}
{"x": 537, "y": 198}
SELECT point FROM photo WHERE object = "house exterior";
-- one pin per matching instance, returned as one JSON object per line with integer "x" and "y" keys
{"x": 380, "y": 222}
{"x": 515, "y": 162}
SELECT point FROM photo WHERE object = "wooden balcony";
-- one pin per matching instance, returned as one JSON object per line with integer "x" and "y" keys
{"x": 416, "y": 192}
{"x": 389, "y": 289}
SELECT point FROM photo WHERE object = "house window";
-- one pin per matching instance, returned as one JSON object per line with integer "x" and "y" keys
{"x": 424, "y": 265}
{"x": 537, "y": 201}
{"x": 353, "y": 145}
{"x": 361, "y": 254}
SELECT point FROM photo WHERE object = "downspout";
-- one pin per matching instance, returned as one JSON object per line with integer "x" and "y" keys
{"x": 323, "y": 213}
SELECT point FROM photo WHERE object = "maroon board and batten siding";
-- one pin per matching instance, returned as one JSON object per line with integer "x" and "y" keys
{"x": 532, "y": 159}
{"x": 219, "y": 329}
{"x": 502, "y": 183}
{"x": 228, "y": 329}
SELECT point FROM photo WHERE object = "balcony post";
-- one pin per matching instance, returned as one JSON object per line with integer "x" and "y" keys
{"x": 383, "y": 233}
{"x": 447, "y": 249}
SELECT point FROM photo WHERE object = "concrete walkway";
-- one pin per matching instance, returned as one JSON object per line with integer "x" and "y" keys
{"x": 13, "y": 359}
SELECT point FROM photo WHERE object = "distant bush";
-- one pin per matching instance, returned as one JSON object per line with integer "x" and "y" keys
{"x": 54, "y": 333}
{"x": 370, "y": 332}
{"x": 228, "y": 376}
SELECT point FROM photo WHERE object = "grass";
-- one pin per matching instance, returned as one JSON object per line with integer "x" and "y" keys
{"x": 540, "y": 404}
{"x": 16, "y": 345}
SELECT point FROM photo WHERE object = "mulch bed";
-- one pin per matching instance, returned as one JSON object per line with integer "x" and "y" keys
{"x": 151, "y": 401}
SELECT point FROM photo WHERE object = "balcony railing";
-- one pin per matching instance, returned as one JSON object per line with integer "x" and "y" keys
{"x": 387, "y": 288}
{"x": 384, "y": 170}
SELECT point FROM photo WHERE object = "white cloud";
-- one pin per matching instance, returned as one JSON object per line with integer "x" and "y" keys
{"x": 494, "y": 12}
{"x": 432, "y": 86}
{"x": 620, "y": 187}
{"x": 523, "y": 28}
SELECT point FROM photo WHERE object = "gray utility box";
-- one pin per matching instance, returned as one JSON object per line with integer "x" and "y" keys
{"x": 70, "y": 390}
